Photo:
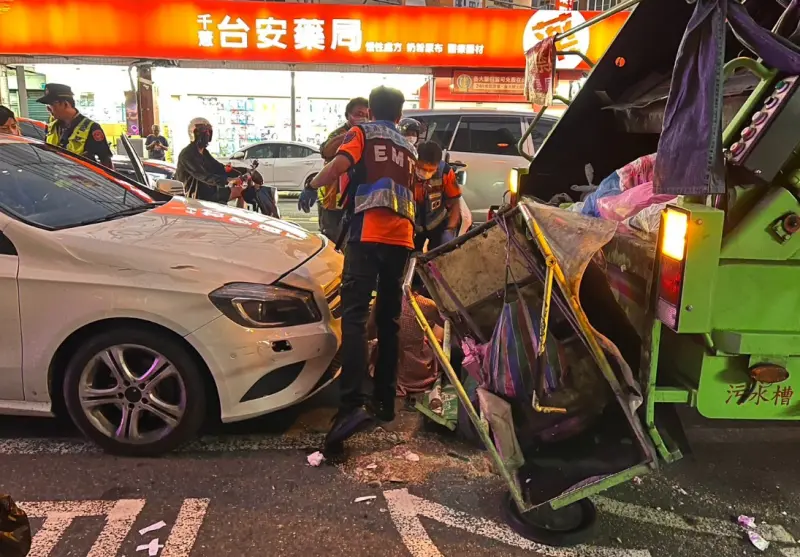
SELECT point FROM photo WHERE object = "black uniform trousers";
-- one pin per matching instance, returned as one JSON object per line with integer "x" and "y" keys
{"x": 369, "y": 267}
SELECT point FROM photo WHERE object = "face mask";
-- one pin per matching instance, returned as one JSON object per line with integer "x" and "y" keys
{"x": 358, "y": 120}
{"x": 422, "y": 175}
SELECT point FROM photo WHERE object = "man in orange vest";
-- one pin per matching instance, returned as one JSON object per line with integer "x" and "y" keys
{"x": 379, "y": 202}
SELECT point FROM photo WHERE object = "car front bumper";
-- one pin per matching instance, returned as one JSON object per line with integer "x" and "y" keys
{"x": 258, "y": 371}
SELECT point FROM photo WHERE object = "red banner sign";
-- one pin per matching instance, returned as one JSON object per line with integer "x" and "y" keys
{"x": 220, "y": 30}
{"x": 490, "y": 83}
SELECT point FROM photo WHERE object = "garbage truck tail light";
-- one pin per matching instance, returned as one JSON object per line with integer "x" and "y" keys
{"x": 671, "y": 267}
{"x": 513, "y": 181}
{"x": 673, "y": 242}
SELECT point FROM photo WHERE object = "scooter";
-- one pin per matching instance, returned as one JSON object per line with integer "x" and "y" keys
{"x": 262, "y": 199}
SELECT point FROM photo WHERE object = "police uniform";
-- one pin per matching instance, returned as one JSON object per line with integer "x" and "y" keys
{"x": 432, "y": 197}
{"x": 379, "y": 202}
{"x": 81, "y": 136}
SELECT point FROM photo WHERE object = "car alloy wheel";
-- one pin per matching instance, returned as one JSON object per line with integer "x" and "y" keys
{"x": 136, "y": 391}
{"x": 132, "y": 394}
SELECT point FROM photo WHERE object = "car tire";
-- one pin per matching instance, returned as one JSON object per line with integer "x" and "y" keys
{"x": 570, "y": 526}
{"x": 175, "y": 396}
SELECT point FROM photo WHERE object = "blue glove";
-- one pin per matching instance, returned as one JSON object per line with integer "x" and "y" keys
{"x": 448, "y": 236}
{"x": 307, "y": 198}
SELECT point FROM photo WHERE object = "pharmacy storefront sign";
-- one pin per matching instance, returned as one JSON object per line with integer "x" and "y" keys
{"x": 219, "y": 30}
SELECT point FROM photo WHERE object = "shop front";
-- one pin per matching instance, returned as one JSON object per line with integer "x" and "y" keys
{"x": 279, "y": 71}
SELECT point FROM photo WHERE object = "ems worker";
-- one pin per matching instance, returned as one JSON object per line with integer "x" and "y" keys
{"x": 330, "y": 212}
{"x": 71, "y": 130}
{"x": 203, "y": 176}
{"x": 437, "y": 195}
{"x": 379, "y": 201}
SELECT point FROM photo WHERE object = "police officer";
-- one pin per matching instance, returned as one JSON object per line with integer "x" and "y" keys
{"x": 204, "y": 177}
{"x": 437, "y": 195}
{"x": 71, "y": 130}
{"x": 330, "y": 213}
{"x": 379, "y": 201}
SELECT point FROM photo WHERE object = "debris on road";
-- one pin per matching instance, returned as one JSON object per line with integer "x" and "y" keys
{"x": 755, "y": 538}
{"x": 637, "y": 480}
{"x": 365, "y": 498}
{"x": 152, "y": 528}
{"x": 392, "y": 465}
{"x": 315, "y": 459}
{"x": 747, "y": 522}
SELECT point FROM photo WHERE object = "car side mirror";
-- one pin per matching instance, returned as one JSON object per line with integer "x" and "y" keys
{"x": 461, "y": 177}
{"x": 170, "y": 187}
{"x": 238, "y": 156}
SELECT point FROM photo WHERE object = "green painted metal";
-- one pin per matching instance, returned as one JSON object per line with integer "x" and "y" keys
{"x": 651, "y": 359}
{"x": 753, "y": 238}
{"x": 674, "y": 395}
{"x": 742, "y": 118}
{"x": 703, "y": 240}
{"x": 602, "y": 485}
{"x": 749, "y": 342}
{"x": 723, "y": 381}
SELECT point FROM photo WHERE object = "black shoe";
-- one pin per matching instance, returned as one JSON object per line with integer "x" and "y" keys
{"x": 347, "y": 424}
{"x": 383, "y": 411}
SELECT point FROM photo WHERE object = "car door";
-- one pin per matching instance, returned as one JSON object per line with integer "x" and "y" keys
{"x": 265, "y": 154}
{"x": 292, "y": 166}
{"x": 487, "y": 145}
{"x": 10, "y": 325}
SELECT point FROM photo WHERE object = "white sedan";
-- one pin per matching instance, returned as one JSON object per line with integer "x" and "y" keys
{"x": 287, "y": 165}
{"x": 140, "y": 314}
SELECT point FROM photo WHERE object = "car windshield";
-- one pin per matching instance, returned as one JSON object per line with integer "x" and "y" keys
{"x": 52, "y": 190}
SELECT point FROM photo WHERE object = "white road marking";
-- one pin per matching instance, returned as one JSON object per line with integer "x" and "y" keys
{"x": 59, "y": 515}
{"x": 187, "y": 525}
{"x": 48, "y": 535}
{"x": 211, "y": 444}
{"x": 696, "y": 524}
{"x": 405, "y": 510}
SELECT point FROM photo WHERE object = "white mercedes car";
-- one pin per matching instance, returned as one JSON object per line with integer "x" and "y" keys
{"x": 286, "y": 165}
{"x": 139, "y": 314}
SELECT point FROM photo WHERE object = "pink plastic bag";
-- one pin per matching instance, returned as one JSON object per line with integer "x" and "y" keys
{"x": 628, "y": 203}
{"x": 637, "y": 172}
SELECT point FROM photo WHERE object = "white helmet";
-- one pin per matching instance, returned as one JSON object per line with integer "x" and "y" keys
{"x": 193, "y": 125}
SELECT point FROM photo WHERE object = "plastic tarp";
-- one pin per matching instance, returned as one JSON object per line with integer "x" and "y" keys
{"x": 574, "y": 240}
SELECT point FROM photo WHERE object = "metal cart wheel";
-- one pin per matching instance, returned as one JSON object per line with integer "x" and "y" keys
{"x": 568, "y": 526}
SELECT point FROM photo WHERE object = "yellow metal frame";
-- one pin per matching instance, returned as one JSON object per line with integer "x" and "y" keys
{"x": 444, "y": 360}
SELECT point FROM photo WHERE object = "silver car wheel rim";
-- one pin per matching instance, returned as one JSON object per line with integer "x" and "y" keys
{"x": 132, "y": 394}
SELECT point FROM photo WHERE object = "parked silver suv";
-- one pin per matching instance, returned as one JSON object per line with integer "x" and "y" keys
{"x": 486, "y": 142}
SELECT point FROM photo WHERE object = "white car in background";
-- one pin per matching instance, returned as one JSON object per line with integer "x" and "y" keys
{"x": 287, "y": 165}
{"x": 486, "y": 142}
{"x": 140, "y": 315}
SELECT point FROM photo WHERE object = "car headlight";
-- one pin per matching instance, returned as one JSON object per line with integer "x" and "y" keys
{"x": 263, "y": 306}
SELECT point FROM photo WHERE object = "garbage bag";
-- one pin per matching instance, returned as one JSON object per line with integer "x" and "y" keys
{"x": 15, "y": 529}
{"x": 647, "y": 221}
{"x": 609, "y": 186}
{"x": 628, "y": 203}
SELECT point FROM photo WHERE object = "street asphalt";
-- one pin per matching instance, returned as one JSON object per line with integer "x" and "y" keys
{"x": 246, "y": 490}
